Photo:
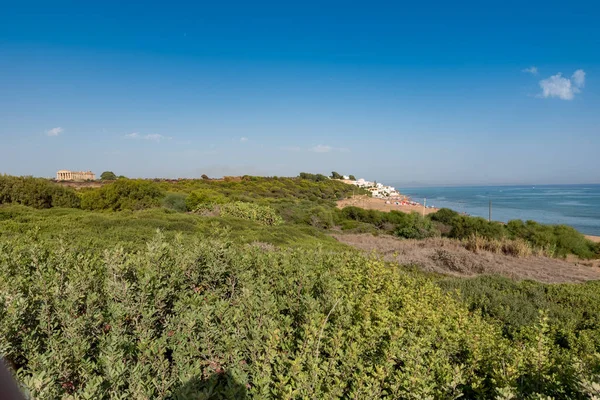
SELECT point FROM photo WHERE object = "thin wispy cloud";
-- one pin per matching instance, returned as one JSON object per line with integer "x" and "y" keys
{"x": 579, "y": 78}
{"x": 561, "y": 87}
{"x": 321, "y": 148}
{"x": 243, "y": 139}
{"x": 531, "y": 70}
{"x": 154, "y": 137}
{"x": 55, "y": 131}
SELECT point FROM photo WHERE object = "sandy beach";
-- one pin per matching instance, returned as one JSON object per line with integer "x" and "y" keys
{"x": 372, "y": 203}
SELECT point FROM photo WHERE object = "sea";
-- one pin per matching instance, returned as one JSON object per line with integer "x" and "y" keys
{"x": 574, "y": 205}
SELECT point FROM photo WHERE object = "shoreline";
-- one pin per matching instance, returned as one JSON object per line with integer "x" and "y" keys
{"x": 372, "y": 203}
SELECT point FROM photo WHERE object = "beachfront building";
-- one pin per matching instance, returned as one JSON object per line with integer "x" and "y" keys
{"x": 66, "y": 175}
{"x": 377, "y": 189}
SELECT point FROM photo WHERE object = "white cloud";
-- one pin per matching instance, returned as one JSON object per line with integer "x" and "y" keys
{"x": 55, "y": 131}
{"x": 321, "y": 148}
{"x": 561, "y": 87}
{"x": 154, "y": 137}
{"x": 579, "y": 78}
{"x": 243, "y": 139}
{"x": 532, "y": 70}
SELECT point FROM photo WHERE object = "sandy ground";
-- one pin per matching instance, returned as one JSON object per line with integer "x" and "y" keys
{"x": 593, "y": 238}
{"x": 371, "y": 203}
{"x": 449, "y": 257}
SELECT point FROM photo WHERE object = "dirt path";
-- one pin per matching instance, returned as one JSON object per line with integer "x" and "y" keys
{"x": 449, "y": 257}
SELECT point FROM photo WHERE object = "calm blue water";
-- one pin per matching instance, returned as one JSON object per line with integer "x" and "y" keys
{"x": 574, "y": 205}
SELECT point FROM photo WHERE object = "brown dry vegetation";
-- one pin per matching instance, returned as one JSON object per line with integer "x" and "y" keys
{"x": 453, "y": 257}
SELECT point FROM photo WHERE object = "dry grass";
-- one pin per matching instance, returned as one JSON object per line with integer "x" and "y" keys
{"x": 513, "y": 259}
{"x": 515, "y": 248}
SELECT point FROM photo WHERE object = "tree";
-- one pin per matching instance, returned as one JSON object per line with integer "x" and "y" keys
{"x": 205, "y": 177}
{"x": 352, "y": 177}
{"x": 108, "y": 176}
{"x": 335, "y": 175}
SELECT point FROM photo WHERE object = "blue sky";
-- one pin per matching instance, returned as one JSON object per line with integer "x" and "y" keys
{"x": 434, "y": 93}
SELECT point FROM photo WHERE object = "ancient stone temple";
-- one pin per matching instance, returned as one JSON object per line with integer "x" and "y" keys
{"x": 64, "y": 175}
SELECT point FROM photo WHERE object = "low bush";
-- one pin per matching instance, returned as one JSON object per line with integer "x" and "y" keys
{"x": 211, "y": 319}
{"x": 262, "y": 214}
{"x": 123, "y": 194}
{"x": 409, "y": 226}
{"x": 36, "y": 192}
{"x": 175, "y": 202}
{"x": 557, "y": 239}
{"x": 549, "y": 240}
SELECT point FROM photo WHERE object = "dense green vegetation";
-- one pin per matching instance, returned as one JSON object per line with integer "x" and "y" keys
{"x": 123, "y": 194}
{"x": 210, "y": 318}
{"x": 35, "y": 192}
{"x": 557, "y": 240}
{"x": 232, "y": 288}
{"x": 108, "y": 176}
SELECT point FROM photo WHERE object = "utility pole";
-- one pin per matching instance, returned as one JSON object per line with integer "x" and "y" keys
{"x": 424, "y": 205}
{"x": 490, "y": 217}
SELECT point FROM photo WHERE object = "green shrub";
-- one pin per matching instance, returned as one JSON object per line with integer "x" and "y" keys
{"x": 202, "y": 197}
{"x": 464, "y": 227}
{"x": 123, "y": 194}
{"x": 415, "y": 226}
{"x": 558, "y": 240}
{"x": 175, "y": 202}
{"x": 36, "y": 192}
{"x": 444, "y": 215}
{"x": 210, "y": 319}
{"x": 263, "y": 214}
{"x": 108, "y": 176}
{"x": 410, "y": 226}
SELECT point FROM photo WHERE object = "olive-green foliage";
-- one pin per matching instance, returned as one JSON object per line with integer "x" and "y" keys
{"x": 132, "y": 229}
{"x": 175, "y": 202}
{"x": 552, "y": 240}
{"x": 254, "y": 212}
{"x": 444, "y": 216}
{"x": 108, "y": 176}
{"x": 313, "y": 177}
{"x": 352, "y": 177}
{"x": 464, "y": 227}
{"x": 252, "y": 188}
{"x": 210, "y": 319}
{"x": 410, "y": 226}
{"x": 123, "y": 194}
{"x": 202, "y": 197}
{"x": 36, "y": 192}
{"x": 563, "y": 239}
{"x": 573, "y": 309}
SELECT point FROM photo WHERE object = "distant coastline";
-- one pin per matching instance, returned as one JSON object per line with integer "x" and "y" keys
{"x": 573, "y": 205}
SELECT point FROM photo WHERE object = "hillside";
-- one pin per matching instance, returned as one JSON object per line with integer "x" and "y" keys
{"x": 238, "y": 289}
